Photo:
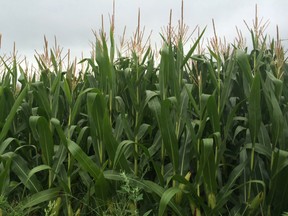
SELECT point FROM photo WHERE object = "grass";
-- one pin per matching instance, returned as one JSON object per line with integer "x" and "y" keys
{"x": 201, "y": 132}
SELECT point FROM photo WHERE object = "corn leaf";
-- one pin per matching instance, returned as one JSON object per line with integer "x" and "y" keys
{"x": 42, "y": 133}
{"x": 166, "y": 198}
{"x": 20, "y": 168}
{"x": 89, "y": 166}
{"x": 254, "y": 109}
{"x": 12, "y": 113}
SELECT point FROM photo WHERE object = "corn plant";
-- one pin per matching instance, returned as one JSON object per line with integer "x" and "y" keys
{"x": 189, "y": 134}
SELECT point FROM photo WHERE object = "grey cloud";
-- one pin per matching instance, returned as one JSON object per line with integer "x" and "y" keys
{"x": 71, "y": 21}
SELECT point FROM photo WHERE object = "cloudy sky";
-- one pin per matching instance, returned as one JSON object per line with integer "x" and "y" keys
{"x": 72, "y": 21}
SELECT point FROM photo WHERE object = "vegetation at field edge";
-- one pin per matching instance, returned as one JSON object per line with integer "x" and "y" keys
{"x": 196, "y": 133}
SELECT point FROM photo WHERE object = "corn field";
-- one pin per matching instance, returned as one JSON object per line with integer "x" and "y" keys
{"x": 201, "y": 132}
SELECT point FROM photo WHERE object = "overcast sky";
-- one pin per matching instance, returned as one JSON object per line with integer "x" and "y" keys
{"x": 72, "y": 21}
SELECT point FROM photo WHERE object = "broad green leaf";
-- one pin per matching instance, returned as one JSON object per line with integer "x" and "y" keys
{"x": 59, "y": 159}
{"x": 6, "y": 143}
{"x": 228, "y": 83}
{"x": 155, "y": 107}
{"x": 277, "y": 121}
{"x": 260, "y": 149}
{"x": 62, "y": 136}
{"x": 164, "y": 71}
{"x": 40, "y": 197}
{"x": 278, "y": 85}
{"x": 254, "y": 108}
{"x": 278, "y": 191}
{"x": 264, "y": 137}
{"x": 168, "y": 134}
{"x": 101, "y": 129}
{"x": 275, "y": 113}
{"x": 111, "y": 145}
{"x": 207, "y": 168}
{"x": 20, "y": 168}
{"x": 67, "y": 91}
{"x": 182, "y": 110}
{"x": 143, "y": 130}
{"x": 255, "y": 203}
{"x": 55, "y": 91}
{"x": 84, "y": 132}
{"x": 5, "y": 175}
{"x": 42, "y": 133}
{"x": 225, "y": 192}
{"x": 106, "y": 70}
{"x": 121, "y": 149}
{"x": 6, "y": 102}
{"x": 213, "y": 113}
{"x": 185, "y": 149}
{"x": 279, "y": 163}
{"x": 166, "y": 198}
{"x": 12, "y": 113}
{"x": 77, "y": 105}
{"x": 88, "y": 165}
{"x": 230, "y": 119}
{"x": 96, "y": 108}
{"x": 84, "y": 161}
{"x": 42, "y": 97}
{"x": 37, "y": 169}
{"x": 190, "y": 52}
{"x": 212, "y": 72}
{"x": 149, "y": 95}
{"x": 192, "y": 100}
{"x": 243, "y": 61}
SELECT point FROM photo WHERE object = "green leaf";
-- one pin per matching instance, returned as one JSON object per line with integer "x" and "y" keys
{"x": 168, "y": 134}
{"x": 55, "y": 91}
{"x": 121, "y": 149}
{"x": 67, "y": 91}
{"x": 190, "y": 52}
{"x": 41, "y": 132}
{"x": 59, "y": 159}
{"x": 225, "y": 193}
{"x": 90, "y": 166}
{"x": 6, "y": 143}
{"x": 143, "y": 130}
{"x": 155, "y": 107}
{"x": 84, "y": 161}
{"x": 254, "y": 108}
{"x": 166, "y": 198}
{"x": 207, "y": 167}
{"x": 40, "y": 197}
{"x": 37, "y": 169}
{"x": 101, "y": 129}
{"x": 77, "y": 105}
{"x": 42, "y": 97}
{"x": 62, "y": 136}
{"x": 106, "y": 70}
{"x": 5, "y": 175}
{"x": 12, "y": 113}
{"x": 20, "y": 168}
{"x": 278, "y": 190}
{"x": 278, "y": 85}
{"x": 255, "y": 203}
{"x": 243, "y": 61}
{"x": 280, "y": 162}
{"x": 96, "y": 108}
{"x": 213, "y": 113}
{"x": 260, "y": 149}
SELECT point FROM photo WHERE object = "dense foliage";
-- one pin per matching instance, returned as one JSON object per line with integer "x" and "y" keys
{"x": 199, "y": 133}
